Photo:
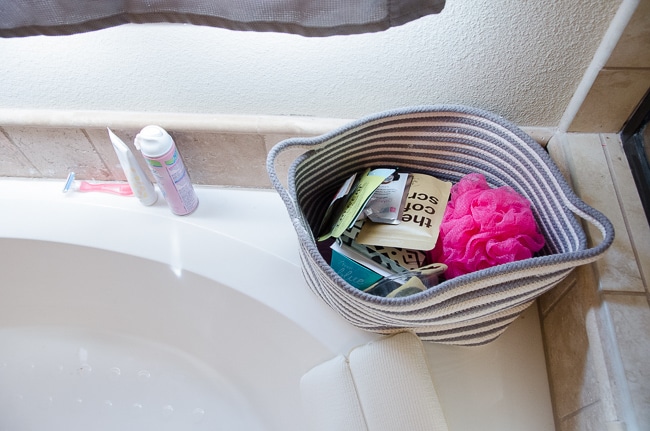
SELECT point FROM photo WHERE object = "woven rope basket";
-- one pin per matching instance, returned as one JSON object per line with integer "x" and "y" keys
{"x": 447, "y": 142}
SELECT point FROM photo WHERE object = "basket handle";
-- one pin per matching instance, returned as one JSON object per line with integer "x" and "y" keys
{"x": 292, "y": 143}
{"x": 600, "y": 222}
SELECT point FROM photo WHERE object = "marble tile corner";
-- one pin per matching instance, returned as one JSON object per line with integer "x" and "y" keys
{"x": 54, "y": 152}
{"x": 634, "y": 40}
{"x": 286, "y": 158}
{"x": 102, "y": 144}
{"x": 227, "y": 159}
{"x": 611, "y": 100}
{"x": 14, "y": 163}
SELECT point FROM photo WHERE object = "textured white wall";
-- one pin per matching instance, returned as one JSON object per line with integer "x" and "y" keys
{"x": 520, "y": 58}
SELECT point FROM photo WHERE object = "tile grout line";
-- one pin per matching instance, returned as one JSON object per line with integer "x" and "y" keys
{"x": 92, "y": 144}
{"x": 11, "y": 141}
{"x": 578, "y": 411}
{"x": 571, "y": 284}
{"x": 623, "y": 293}
{"x": 600, "y": 365}
{"x": 625, "y": 410}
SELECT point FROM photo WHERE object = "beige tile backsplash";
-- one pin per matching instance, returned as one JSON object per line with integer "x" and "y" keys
{"x": 634, "y": 42}
{"x": 612, "y": 99}
{"x": 14, "y": 162}
{"x": 212, "y": 158}
{"x": 229, "y": 159}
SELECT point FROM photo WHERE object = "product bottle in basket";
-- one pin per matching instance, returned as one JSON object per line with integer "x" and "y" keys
{"x": 168, "y": 169}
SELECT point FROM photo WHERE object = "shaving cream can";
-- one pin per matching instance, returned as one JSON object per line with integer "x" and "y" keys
{"x": 166, "y": 165}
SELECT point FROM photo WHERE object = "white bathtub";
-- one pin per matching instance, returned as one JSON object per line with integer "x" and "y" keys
{"x": 118, "y": 316}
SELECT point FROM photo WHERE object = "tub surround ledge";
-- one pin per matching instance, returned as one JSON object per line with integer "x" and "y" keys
{"x": 225, "y": 150}
{"x": 595, "y": 323}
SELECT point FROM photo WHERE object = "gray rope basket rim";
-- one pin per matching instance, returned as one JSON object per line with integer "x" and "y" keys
{"x": 504, "y": 273}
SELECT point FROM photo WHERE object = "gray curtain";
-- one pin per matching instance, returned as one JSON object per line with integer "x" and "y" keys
{"x": 19, "y": 18}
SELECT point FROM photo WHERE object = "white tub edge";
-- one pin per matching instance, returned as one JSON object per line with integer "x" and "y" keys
{"x": 240, "y": 225}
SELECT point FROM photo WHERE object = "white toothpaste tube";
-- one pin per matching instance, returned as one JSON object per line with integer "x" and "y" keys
{"x": 142, "y": 188}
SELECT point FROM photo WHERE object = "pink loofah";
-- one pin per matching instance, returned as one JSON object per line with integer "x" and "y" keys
{"x": 483, "y": 227}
